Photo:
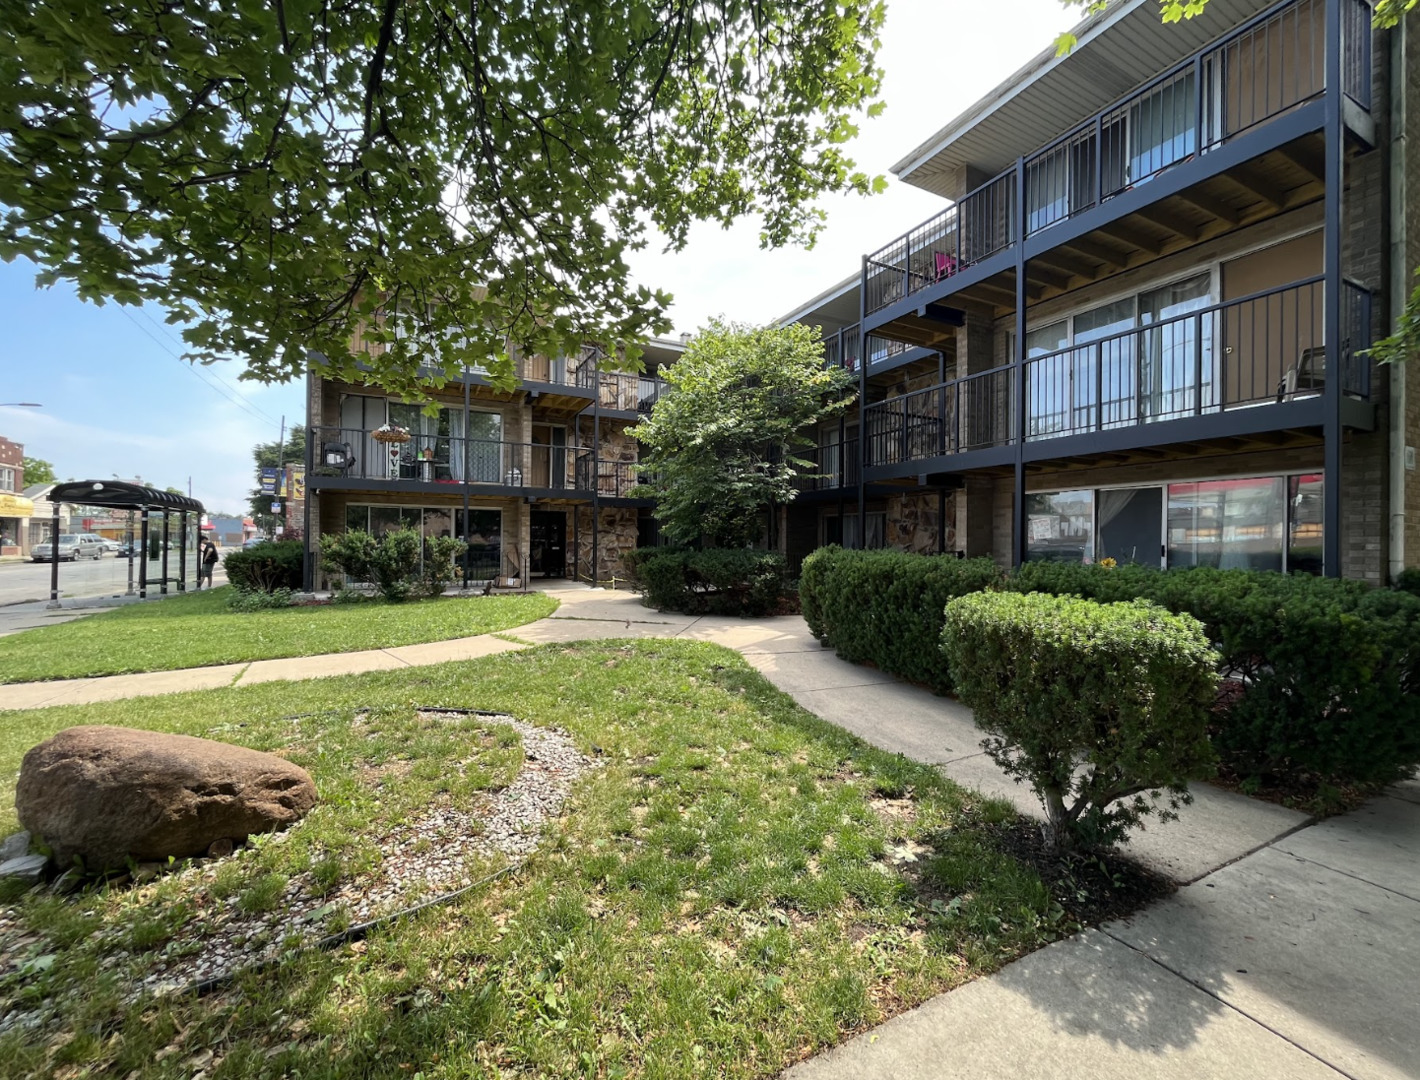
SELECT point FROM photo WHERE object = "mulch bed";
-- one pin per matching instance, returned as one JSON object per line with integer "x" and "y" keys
{"x": 1092, "y": 888}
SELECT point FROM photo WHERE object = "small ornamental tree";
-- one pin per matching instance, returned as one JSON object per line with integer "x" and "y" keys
{"x": 725, "y": 445}
{"x": 1094, "y": 705}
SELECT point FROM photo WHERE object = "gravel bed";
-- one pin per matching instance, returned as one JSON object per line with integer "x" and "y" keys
{"x": 503, "y": 827}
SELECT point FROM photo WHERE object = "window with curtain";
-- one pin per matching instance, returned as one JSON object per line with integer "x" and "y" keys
{"x": 1304, "y": 524}
{"x": 1061, "y": 527}
{"x": 1176, "y": 353}
{"x": 485, "y": 447}
{"x": 845, "y": 533}
{"x": 1162, "y": 128}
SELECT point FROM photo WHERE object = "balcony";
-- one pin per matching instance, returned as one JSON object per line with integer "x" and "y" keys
{"x": 351, "y": 454}
{"x": 835, "y": 466}
{"x": 1267, "y": 69}
{"x": 845, "y": 349}
{"x": 1228, "y": 363}
{"x": 618, "y": 391}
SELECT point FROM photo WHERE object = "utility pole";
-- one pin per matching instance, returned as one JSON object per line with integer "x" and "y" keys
{"x": 280, "y": 467}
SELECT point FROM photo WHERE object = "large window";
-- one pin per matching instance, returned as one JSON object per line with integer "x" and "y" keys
{"x": 7, "y": 479}
{"x": 1061, "y": 527}
{"x": 1253, "y": 523}
{"x": 1087, "y": 376}
{"x": 483, "y": 534}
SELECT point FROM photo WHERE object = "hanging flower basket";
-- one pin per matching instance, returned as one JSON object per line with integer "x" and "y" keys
{"x": 390, "y": 433}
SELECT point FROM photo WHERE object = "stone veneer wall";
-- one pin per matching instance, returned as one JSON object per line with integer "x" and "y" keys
{"x": 619, "y": 536}
{"x": 914, "y": 523}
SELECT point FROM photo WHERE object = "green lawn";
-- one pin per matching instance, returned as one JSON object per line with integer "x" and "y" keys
{"x": 739, "y": 885}
{"x": 198, "y": 629}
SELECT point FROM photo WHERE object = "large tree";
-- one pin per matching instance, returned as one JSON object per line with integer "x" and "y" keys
{"x": 38, "y": 471}
{"x": 725, "y": 445}
{"x": 457, "y": 177}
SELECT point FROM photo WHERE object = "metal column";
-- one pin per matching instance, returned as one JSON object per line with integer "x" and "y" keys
{"x": 182, "y": 551}
{"x": 143, "y": 559}
{"x": 862, "y": 414}
{"x": 54, "y": 558}
{"x": 1331, "y": 317}
{"x": 596, "y": 465}
{"x": 1018, "y": 384}
{"x": 163, "y": 588}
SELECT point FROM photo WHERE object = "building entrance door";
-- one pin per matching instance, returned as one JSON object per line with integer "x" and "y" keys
{"x": 548, "y": 534}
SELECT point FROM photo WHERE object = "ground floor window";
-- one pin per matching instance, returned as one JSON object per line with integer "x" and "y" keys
{"x": 483, "y": 532}
{"x": 1251, "y": 523}
{"x": 846, "y": 533}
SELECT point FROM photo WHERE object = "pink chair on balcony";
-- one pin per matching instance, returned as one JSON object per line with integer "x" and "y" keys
{"x": 946, "y": 265}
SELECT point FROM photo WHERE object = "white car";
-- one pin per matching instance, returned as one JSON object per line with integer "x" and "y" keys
{"x": 107, "y": 546}
{"x": 71, "y": 548}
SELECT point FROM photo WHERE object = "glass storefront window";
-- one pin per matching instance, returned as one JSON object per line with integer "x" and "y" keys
{"x": 1061, "y": 527}
{"x": 1304, "y": 527}
{"x": 1228, "y": 524}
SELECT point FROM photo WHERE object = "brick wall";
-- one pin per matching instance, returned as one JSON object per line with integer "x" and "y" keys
{"x": 12, "y": 456}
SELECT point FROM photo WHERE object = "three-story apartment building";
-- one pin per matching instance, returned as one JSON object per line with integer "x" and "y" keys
{"x": 1138, "y": 330}
{"x": 536, "y": 481}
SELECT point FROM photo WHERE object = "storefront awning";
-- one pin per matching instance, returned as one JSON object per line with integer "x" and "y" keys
{"x": 16, "y": 506}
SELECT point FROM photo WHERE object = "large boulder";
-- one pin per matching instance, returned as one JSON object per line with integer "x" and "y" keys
{"x": 110, "y": 794}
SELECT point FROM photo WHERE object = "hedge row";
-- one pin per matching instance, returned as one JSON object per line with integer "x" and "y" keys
{"x": 1325, "y": 674}
{"x": 717, "y": 581}
{"x": 886, "y": 607}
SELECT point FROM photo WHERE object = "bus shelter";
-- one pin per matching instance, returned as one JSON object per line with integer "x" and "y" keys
{"x": 149, "y": 504}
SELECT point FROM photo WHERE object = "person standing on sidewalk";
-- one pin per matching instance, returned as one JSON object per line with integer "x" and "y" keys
{"x": 206, "y": 561}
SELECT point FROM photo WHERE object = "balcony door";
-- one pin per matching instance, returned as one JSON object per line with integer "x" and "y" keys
{"x": 548, "y": 466}
{"x": 485, "y": 447}
{"x": 1176, "y": 361}
{"x": 432, "y": 453}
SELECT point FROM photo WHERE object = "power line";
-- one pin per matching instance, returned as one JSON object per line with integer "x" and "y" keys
{"x": 216, "y": 383}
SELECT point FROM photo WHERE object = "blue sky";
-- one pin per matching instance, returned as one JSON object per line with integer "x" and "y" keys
{"x": 117, "y": 400}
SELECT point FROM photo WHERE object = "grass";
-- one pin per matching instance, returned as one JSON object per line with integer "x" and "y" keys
{"x": 198, "y": 629}
{"x": 740, "y": 885}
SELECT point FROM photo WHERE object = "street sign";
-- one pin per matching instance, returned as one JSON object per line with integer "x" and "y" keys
{"x": 268, "y": 481}
{"x": 276, "y": 508}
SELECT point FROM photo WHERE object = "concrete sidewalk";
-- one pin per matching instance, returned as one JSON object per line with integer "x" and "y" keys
{"x": 1290, "y": 951}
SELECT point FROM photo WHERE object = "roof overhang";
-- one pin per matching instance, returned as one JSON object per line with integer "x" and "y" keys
{"x": 117, "y": 495}
{"x": 1118, "y": 49}
{"x": 833, "y": 309}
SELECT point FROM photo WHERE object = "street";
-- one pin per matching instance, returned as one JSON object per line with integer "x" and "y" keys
{"x": 88, "y": 578}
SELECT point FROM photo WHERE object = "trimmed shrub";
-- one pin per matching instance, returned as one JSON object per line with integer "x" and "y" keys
{"x": 437, "y": 571}
{"x": 1327, "y": 670}
{"x": 885, "y": 607}
{"x": 1408, "y": 581}
{"x": 1094, "y": 705}
{"x": 390, "y": 563}
{"x": 719, "y": 581}
{"x": 268, "y": 567}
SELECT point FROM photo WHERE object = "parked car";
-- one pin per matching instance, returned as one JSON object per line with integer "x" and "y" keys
{"x": 71, "y": 548}
{"x": 105, "y": 545}
{"x": 126, "y": 548}
{"x": 253, "y": 542}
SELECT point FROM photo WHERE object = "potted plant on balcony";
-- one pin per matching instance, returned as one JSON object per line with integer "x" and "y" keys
{"x": 394, "y": 437}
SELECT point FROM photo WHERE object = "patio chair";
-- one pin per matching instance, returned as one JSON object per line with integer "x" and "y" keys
{"x": 1306, "y": 377}
{"x": 337, "y": 456}
{"x": 946, "y": 264}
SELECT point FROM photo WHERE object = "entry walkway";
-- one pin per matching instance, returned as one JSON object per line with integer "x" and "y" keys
{"x": 1290, "y": 951}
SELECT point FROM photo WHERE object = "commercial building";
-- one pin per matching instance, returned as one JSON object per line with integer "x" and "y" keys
{"x": 1138, "y": 327}
{"x": 15, "y": 508}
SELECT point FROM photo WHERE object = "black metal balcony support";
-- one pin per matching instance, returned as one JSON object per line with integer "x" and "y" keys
{"x": 862, "y": 422}
{"x": 1331, "y": 314}
{"x": 1018, "y": 500}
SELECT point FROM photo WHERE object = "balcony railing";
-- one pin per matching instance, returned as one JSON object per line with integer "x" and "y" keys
{"x": 835, "y": 466}
{"x": 1270, "y": 65}
{"x": 438, "y": 459}
{"x": 610, "y": 479}
{"x": 971, "y": 413}
{"x": 1263, "y": 349}
{"x": 846, "y": 351}
{"x": 624, "y": 391}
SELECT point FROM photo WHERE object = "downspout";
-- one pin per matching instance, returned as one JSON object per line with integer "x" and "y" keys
{"x": 1399, "y": 290}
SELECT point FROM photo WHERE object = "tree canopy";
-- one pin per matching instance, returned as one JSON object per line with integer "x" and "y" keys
{"x": 456, "y": 178}
{"x": 38, "y": 471}
{"x": 724, "y": 445}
